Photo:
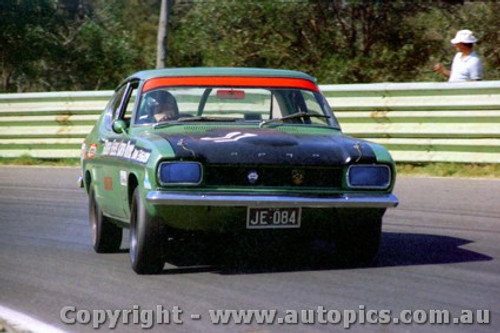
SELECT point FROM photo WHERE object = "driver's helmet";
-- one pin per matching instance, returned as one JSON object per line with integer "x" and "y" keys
{"x": 158, "y": 102}
{"x": 162, "y": 101}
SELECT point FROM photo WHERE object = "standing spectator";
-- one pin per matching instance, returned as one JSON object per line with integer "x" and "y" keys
{"x": 466, "y": 65}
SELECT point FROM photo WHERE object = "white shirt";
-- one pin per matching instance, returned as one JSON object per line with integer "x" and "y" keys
{"x": 466, "y": 69}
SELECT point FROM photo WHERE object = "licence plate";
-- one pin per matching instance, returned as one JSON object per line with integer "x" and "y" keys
{"x": 262, "y": 218}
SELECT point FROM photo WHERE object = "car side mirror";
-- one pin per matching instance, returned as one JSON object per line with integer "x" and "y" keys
{"x": 119, "y": 126}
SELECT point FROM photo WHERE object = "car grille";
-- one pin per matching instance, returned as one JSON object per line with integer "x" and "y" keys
{"x": 273, "y": 176}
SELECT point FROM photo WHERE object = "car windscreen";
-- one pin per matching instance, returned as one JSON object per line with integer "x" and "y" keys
{"x": 234, "y": 104}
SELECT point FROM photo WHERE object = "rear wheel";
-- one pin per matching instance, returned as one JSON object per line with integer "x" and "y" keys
{"x": 106, "y": 236}
{"x": 146, "y": 239}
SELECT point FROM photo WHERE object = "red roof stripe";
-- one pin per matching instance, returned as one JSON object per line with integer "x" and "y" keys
{"x": 232, "y": 81}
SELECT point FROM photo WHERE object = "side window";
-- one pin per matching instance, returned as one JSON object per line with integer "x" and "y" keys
{"x": 129, "y": 102}
{"x": 122, "y": 104}
{"x": 113, "y": 106}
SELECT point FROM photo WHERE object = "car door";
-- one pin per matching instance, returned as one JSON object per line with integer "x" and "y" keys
{"x": 114, "y": 167}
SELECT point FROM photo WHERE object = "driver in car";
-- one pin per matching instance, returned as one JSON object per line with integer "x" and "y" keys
{"x": 160, "y": 106}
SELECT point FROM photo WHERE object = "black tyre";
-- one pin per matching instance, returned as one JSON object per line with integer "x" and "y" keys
{"x": 146, "y": 239}
{"x": 106, "y": 236}
{"x": 358, "y": 238}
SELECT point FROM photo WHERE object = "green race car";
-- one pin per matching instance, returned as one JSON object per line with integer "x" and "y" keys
{"x": 230, "y": 151}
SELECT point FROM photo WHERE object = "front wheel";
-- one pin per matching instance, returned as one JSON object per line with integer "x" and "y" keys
{"x": 106, "y": 236}
{"x": 146, "y": 238}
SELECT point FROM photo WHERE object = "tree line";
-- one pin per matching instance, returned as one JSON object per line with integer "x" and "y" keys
{"x": 57, "y": 45}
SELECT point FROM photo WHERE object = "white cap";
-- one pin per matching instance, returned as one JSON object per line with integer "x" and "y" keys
{"x": 464, "y": 36}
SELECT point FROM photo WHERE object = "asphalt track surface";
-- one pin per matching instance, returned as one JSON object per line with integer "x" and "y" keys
{"x": 440, "y": 251}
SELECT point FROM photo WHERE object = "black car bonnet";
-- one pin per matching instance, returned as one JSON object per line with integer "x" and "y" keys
{"x": 268, "y": 146}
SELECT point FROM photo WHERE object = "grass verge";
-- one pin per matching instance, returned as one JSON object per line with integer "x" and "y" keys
{"x": 464, "y": 170}
{"x": 28, "y": 160}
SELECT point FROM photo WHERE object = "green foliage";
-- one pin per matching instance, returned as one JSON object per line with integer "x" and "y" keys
{"x": 93, "y": 44}
{"x": 23, "y": 28}
{"x": 336, "y": 41}
{"x": 52, "y": 45}
{"x": 251, "y": 34}
{"x": 99, "y": 51}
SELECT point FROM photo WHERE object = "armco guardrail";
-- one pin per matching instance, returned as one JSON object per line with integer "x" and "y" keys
{"x": 418, "y": 122}
{"x": 48, "y": 125}
{"x": 423, "y": 122}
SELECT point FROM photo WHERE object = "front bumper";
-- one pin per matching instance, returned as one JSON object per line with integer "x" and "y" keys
{"x": 350, "y": 200}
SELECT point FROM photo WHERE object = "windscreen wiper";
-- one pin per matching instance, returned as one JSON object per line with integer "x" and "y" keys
{"x": 193, "y": 119}
{"x": 205, "y": 118}
{"x": 292, "y": 116}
